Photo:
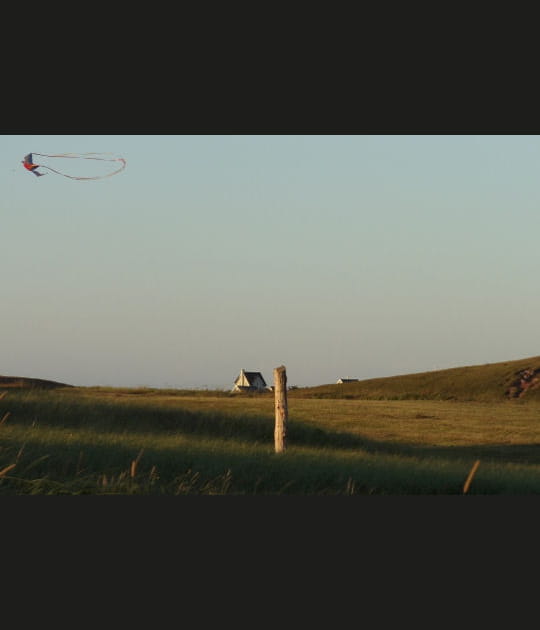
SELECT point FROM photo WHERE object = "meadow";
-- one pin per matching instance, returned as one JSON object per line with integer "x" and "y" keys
{"x": 73, "y": 441}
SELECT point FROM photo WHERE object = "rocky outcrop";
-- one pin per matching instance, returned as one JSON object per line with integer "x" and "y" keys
{"x": 525, "y": 380}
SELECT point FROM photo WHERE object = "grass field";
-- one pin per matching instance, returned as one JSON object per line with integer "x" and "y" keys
{"x": 173, "y": 442}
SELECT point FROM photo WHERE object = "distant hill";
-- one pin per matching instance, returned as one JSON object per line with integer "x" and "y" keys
{"x": 22, "y": 382}
{"x": 490, "y": 382}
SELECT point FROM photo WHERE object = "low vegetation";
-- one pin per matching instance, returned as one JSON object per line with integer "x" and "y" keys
{"x": 492, "y": 382}
{"x": 452, "y": 432}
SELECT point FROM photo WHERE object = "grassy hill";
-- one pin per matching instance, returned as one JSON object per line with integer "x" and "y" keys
{"x": 491, "y": 382}
{"x": 23, "y": 382}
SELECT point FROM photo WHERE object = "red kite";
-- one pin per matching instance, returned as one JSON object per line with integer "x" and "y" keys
{"x": 30, "y": 166}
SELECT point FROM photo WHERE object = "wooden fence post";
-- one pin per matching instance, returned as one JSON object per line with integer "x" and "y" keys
{"x": 280, "y": 404}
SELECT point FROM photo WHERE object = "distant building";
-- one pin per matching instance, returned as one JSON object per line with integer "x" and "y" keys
{"x": 249, "y": 382}
{"x": 346, "y": 380}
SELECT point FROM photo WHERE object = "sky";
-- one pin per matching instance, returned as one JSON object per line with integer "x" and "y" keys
{"x": 337, "y": 256}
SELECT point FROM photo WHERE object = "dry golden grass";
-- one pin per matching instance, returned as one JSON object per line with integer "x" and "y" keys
{"x": 470, "y": 476}
{"x": 425, "y": 422}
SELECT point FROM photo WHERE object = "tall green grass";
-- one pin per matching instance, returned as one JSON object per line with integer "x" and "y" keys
{"x": 95, "y": 441}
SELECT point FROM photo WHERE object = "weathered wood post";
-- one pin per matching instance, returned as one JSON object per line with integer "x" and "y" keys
{"x": 280, "y": 404}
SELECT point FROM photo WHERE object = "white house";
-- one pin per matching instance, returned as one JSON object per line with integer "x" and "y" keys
{"x": 249, "y": 382}
{"x": 347, "y": 380}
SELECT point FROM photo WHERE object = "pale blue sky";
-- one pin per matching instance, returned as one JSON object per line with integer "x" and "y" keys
{"x": 336, "y": 256}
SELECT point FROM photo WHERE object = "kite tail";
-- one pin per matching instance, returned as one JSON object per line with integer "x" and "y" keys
{"x": 81, "y": 156}
{"x": 85, "y": 156}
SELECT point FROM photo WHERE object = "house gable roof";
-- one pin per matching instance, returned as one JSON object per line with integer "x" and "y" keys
{"x": 246, "y": 381}
{"x": 251, "y": 377}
